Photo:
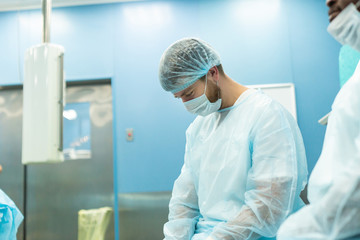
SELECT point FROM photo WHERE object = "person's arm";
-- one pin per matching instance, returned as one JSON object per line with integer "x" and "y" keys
{"x": 272, "y": 180}
{"x": 336, "y": 216}
{"x": 183, "y": 207}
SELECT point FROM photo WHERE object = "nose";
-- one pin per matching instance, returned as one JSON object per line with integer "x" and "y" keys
{"x": 329, "y": 3}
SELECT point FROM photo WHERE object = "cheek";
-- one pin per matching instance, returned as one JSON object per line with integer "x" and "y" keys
{"x": 212, "y": 93}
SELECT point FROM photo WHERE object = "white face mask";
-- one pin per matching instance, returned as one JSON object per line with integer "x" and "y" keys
{"x": 345, "y": 28}
{"x": 201, "y": 105}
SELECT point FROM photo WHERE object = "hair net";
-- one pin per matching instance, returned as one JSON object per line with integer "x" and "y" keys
{"x": 184, "y": 62}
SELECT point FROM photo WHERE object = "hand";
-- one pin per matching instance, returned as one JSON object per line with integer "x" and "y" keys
{"x": 0, "y": 168}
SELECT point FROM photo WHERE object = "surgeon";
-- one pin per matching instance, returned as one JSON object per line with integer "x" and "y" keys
{"x": 10, "y": 217}
{"x": 245, "y": 163}
{"x": 334, "y": 184}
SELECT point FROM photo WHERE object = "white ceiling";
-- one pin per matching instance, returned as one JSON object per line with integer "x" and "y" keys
{"x": 11, "y": 5}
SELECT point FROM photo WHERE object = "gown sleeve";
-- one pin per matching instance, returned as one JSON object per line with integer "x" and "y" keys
{"x": 183, "y": 207}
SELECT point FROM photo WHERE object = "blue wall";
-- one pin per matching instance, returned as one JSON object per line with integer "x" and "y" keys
{"x": 260, "y": 41}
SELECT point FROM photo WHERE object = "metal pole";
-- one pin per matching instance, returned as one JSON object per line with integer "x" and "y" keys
{"x": 25, "y": 203}
{"x": 46, "y": 14}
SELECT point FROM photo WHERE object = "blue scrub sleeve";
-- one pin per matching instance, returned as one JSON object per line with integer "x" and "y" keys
{"x": 272, "y": 180}
{"x": 183, "y": 207}
{"x": 10, "y": 217}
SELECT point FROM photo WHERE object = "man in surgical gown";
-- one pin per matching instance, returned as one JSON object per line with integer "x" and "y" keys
{"x": 334, "y": 185}
{"x": 245, "y": 162}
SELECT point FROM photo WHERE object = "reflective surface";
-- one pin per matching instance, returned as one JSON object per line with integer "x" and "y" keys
{"x": 77, "y": 131}
{"x": 143, "y": 215}
{"x": 56, "y": 192}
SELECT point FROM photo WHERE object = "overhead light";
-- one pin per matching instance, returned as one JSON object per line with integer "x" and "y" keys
{"x": 70, "y": 114}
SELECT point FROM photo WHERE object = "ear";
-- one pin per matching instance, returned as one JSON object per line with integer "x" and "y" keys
{"x": 213, "y": 74}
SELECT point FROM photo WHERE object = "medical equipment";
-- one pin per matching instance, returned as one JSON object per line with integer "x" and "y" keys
{"x": 44, "y": 85}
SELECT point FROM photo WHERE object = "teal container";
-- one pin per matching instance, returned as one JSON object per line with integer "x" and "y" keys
{"x": 348, "y": 60}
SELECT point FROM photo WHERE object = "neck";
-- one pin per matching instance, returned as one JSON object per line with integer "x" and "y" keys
{"x": 230, "y": 91}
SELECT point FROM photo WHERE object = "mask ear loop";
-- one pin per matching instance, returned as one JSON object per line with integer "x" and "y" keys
{"x": 217, "y": 84}
{"x": 205, "y": 84}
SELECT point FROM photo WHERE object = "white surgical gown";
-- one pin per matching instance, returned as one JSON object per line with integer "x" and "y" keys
{"x": 334, "y": 185}
{"x": 243, "y": 172}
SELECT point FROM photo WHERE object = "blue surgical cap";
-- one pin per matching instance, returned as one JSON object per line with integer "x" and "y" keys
{"x": 185, "y": 62}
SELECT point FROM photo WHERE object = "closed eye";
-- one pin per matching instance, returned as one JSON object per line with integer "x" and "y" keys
{"x": 189, "y": 94}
